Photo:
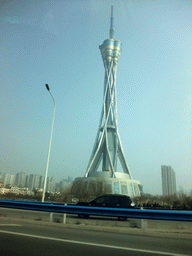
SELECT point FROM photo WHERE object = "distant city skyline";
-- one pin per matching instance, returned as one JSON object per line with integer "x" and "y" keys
{"x": 33, "y": 181}
{"x": 57, "y": 43}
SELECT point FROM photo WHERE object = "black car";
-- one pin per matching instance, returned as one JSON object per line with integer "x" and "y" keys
{"x": 112, "y": 201}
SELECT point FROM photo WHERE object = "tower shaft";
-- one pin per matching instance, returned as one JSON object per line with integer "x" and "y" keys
{"x": 108, "y": 147}
{"x": 109, "y": 118}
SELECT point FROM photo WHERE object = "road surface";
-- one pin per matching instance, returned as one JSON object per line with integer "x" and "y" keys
{"x": 38, "y": 238}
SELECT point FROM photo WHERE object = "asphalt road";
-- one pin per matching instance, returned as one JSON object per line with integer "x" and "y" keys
{"x": 38, "y": 238}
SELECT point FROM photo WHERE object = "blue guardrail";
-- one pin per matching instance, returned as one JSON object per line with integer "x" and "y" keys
{"x": 99, "y": 211}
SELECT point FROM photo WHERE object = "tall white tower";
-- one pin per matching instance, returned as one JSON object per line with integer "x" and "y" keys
{"x": 108, "y": 147}
{"x": 108, "y": 150}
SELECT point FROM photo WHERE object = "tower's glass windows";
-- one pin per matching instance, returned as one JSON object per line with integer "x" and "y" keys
{"x": 131, "y": 190}
{"x": 116, "y": 187}
{"x": 124, "y": 190}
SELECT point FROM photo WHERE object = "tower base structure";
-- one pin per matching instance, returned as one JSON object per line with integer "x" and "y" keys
{"x": 103, "y": 183}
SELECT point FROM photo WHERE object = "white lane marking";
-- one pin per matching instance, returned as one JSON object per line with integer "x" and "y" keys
{"x": 93, "y": 244}
{"x": 16, "y": 225}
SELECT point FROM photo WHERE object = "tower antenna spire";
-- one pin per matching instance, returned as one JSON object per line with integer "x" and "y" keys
{"x": 111, "y": 31}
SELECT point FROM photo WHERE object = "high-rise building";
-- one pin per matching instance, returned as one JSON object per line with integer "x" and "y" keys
{"x": 31, "y": 182}
{"x": 168, "y": 180}
{"x": 41, "y": 181}
{"x": 20, "y": 179}
{"x": 9, "y": 179}
{"x": 1, "y": 177}
{"x": 50, "y": 184}
{"x": 27, "y": 181}
{"x": 34, "y": 181}
{"x": 108, "y": 151}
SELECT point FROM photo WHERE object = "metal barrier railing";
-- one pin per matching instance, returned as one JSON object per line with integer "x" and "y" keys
{"x": 100, "y": 211}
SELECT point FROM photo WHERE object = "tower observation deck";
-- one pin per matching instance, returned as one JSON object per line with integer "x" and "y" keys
{"x": 108, "y": 150}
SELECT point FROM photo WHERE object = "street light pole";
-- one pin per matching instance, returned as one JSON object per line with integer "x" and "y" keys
{"x": 47, "y": 167}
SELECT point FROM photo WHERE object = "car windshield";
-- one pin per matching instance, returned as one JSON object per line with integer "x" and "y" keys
{"x": 102, "y": 199}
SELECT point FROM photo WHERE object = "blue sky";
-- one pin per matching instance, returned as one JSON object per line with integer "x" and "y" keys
{"x": 57, "y": 42}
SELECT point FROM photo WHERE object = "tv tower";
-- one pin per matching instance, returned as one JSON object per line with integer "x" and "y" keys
{"x": 108, "y": 148}
{"x": 108, "y": 145}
